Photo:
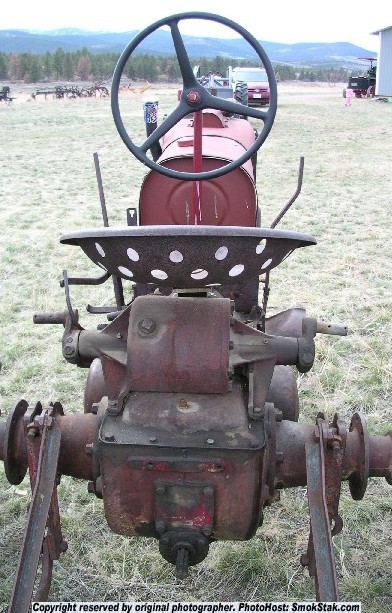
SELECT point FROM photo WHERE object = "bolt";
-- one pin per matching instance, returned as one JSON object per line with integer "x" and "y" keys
{"x": 193, "y": 97}
{"x": 112, "y": 407}
{"x": 279, "y": 457}
{"x": 89, "y": 449}
{"x": 94, "y": 407}
{"x": 32, "y": 432}
{"x": 257, "y": 410}
{"x": 183, "y": 403}
{"x": 207, "y": 530}
{"x": 68, "y": 350}
{"x": 210, "y": 441}
{"x": 69, "y": 339}
{"x": 153, "y": 439}
{"x": 119, "y": 335}
{"x": 160, "y": 490}
{"x": 146, "y": 325}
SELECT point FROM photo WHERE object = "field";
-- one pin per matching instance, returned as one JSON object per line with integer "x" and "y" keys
{"x": 48, "y": 187}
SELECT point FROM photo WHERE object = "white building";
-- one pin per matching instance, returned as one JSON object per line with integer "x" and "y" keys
{"x": 384, "y": 62}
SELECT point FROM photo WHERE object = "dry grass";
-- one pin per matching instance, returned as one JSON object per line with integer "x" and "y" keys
{"x": 47, "y": 187}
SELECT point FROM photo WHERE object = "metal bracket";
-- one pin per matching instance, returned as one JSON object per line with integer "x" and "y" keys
{"x": 42, "y": 538}
{"x": 323, "y": 500}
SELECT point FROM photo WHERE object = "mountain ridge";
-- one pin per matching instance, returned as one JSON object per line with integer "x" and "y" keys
{"x": 160, "y": 42}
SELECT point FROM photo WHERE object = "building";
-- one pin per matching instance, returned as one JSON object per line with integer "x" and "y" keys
{"x": 384, "y": 62}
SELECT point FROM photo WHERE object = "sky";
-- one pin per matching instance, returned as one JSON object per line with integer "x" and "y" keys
{"x": 281, "y": 21}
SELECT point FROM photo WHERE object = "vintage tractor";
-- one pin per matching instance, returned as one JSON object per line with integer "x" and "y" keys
{"x": 190, "y": 424}
{"x": 364, "y": 86}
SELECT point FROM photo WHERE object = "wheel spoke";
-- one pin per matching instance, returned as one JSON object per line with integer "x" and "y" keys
{"x": 179, "y": 113}
{"x": 237, "y": 108}
{"x": 188, "y": 77}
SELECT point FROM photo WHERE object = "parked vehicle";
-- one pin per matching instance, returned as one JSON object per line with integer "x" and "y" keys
{"x": 257, "y": 84}
{"x": 364, "y": 86}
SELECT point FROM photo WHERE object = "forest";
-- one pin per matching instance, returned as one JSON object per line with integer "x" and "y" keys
{"x": 85, "y": 66}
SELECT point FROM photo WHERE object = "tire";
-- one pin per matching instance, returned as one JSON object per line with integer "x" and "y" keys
{"x": 241, "y": 93}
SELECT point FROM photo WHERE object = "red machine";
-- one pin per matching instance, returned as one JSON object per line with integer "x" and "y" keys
{"x": 190, "y": 422}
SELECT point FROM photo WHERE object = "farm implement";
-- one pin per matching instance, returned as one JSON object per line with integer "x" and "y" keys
{"x": 72, "y": 91}
{"x": 5, "y": 94}
{"x": 190, "y": 425}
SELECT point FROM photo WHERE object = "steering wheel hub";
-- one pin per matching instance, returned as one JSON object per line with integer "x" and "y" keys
{"x": 194, "y": 97}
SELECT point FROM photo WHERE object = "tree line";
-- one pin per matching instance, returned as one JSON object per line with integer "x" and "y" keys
{"x": 85, "y": 66}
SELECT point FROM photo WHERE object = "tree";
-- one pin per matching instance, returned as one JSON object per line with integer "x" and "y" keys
{"x": 84, "y": 67}
{"x": 58, "y": 61}
{"x": 4, "y": 63}
{"x": 15, "y": 70}
{"x": 68, "y": 66}
{"x": 48, "y": 65}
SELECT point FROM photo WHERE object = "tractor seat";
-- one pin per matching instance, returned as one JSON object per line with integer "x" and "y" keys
{"x": 186, "y": 257}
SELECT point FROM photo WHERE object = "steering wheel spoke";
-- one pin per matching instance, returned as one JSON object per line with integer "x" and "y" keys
{"x": 188, "y": 77}
{"x": 179, "y": 113}
{"x": 224, "y": 104}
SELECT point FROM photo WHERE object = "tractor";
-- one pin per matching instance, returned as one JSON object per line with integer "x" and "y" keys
{"x": 364, "y": 86}
{"x": 190, "y": 426}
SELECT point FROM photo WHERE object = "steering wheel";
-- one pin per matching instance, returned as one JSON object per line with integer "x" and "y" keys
{"x": 194, "y": 97}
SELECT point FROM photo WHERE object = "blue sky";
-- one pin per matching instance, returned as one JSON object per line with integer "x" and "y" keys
{"x": 286, "y": 21}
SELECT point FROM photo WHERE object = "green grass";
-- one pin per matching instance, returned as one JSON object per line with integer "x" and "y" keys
{"x": 47, "y": 187}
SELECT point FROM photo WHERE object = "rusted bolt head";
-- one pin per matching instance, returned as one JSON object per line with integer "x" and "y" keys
{"x": 68, "y": 350}
{"x": 183, "y": 403}
{"x": 193, "y": 97}
{"x": 160, "y": 490}
{"x": 119, "y": 335}
{"x": 146, "y": 325}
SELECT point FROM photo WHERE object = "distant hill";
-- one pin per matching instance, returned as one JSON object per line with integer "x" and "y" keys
{"x": 160, "y": 42}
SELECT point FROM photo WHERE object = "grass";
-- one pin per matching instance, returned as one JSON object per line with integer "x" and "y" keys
{"x": 47, "y": 187}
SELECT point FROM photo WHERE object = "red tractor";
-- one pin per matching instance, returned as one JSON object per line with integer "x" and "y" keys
{"x": 190, "y": 424}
